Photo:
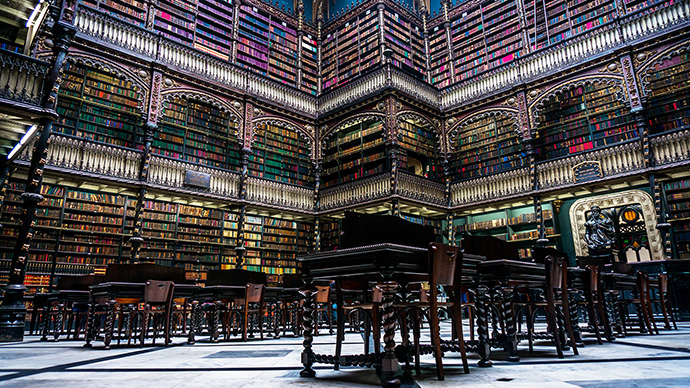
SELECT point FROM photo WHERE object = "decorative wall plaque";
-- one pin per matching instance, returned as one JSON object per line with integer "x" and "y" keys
{"x": 587, "y": 171}
{"x": 197, "y": 179}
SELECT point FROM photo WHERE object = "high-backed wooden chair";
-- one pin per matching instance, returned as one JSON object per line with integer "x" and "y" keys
{"x": 323, "y": 306}
{"x": 155, "y": 314}
{"x": 641, "y": 301}
{"x": 254, "y": 307}
{"x": 661, "y": 297}
{"x": 555, "y": 305}
{"x": 594, "y": 301}
{"x": 445, "y": 270}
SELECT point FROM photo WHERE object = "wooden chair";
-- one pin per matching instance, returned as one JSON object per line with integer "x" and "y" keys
{"x": 158, "y": 296}
{"x": 661, "y": 297}
{"x": 323, "y": 305}
{"x": 555, "y": 306}
{"x": 594, "y": 302}
{"x": 643, "y": 300}
{"x": 362, "y": 300}
{"x": 253, "y": 306}
{"x": 445, "y": 270}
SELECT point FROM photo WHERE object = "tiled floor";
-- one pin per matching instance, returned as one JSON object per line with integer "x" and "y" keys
{"x": 634, "y": 361}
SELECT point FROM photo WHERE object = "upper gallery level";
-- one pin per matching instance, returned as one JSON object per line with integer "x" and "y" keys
{"x": 472, "y": 48}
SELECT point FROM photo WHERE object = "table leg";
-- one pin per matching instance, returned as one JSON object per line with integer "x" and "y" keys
{"x": 213, "y": 325}
{"x": 59, "y": 321}
{"x": 109, "y": 323}
{"x": 573, "y": 302}
{"x": 483, "y": 348}
{"x": 194, "y": 322}
{"x": 90, "y": 331}
{"x": 389, "y": 362}
{"x": 45, "y": 321}
{"x": 511, "y": 340}
{"x": 308, "y": 292}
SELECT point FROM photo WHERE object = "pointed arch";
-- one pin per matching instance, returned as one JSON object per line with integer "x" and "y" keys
{"x": 453, "y": 131}
{"x": 645, "y": 72}
{"x": 287, "y": 124}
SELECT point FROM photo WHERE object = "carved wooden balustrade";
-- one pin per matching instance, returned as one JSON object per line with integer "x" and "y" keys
{"x": 492, "y": 187}
{"x": 421, "y": 189}
{"x": 22, "y": 79}
{"x": 171, "y": 173}
{"x": 101, "y": 26}
{"x": 359, "y": 191}
{"x": 634, "y": 26}
{"x": 82, "y": 155}
{"x": 280, "y": 194}
{"x": 622, "y": 159}
{"x": 671, "y": 147}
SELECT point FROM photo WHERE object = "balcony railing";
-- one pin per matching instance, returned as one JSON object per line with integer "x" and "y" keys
{"x": 172, "y": 173}
{"x": 671, "y": 147}
{"x": 359, "y": 191}
{"x": 22, "y": 78}
{"x": 280, "y": 194}
{"x": 492, "y": 187}
{"x": 421, "y": 189}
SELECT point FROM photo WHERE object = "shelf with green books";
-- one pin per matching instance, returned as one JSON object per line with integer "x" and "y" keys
{"x": 585, "y": 15}
{"x": 487, "y": 145}
{"x": 439, "y": 64}
{"x": 582, "y": 119}
{"x": 198, "y": 132}
{"x": 283, "y": 52}
{"x": 668, "y": 103}
{"x": 677, "y": 193}
{"x": 158, "y": 229}
{"x": 95, "y": 105}
{"x": 516, "y": 225}
{"x": 354, "y": 152}
{"x": 282, "y": 155}
{"x": 419, "y": 142}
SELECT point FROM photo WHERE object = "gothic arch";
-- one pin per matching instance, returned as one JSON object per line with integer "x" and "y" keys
{"x": 427, "y": 121}
{"x": 455, "y": 129}
{"x": 117, "y": 71}
{"x": 186, "y": 94}
{"x": 284, "y": 123}
{"x": 629, "y": 197}
{"x": 355, "y": 119}
{"x": 647, "y": 69}
{"x": 537, "y": 105}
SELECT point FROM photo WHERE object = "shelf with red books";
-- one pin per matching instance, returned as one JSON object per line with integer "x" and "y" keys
{"x": 585, "y": 15}
{"x": 403, "y": 37}
{"x": 439, "y": 65}
{"x": 198, "y": 132}
{"x": 213, "y": 29}
{"x": 281, "y": 155}
{"x": 176, "y": 20}
{"x": 668, "y": 103}
{"x": 486, "y": 145}
{"x": 677, "y": 196}
{"x": 309, "y": 64}
{"x": 95, "y": 105}
{"x": 582, "y": 119}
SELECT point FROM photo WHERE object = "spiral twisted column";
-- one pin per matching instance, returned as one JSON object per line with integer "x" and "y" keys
{"x": 308, "y": 292}
{"x": 389, "y": 362}
{"x": 483, "y": 348}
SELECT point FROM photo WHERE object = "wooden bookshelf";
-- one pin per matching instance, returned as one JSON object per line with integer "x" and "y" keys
{"x": 198, "y": 132}
{"x": 354, "y": 152}
{"x": 420, "y": 145}
{"x": 330, "y": 234}
{"x": 677, "y": 194}
{"x": 351, "y": 49}
{"x": 272, "y": 245}
{"x": 485, "y": 146}
{"x": 253, "y": 39}
{"x": 668, "y": 106}
{"x": 439, "y": 66}
{"x": 585, "y": 14}
{"x": 176, "y": 20}
{"x": 214, "y": 28}
{"x": 581, "y": 119}
{"x": 282, "y": 155}
{"x": 97, "y": 106}
{"x": 405, "y": 39}
{"x": 469, "y": 46}
{"x": 516, "y": 225}
{"x": 132, "y": 11}
{"x": 309, "y": 65}
{"x": 635, "y": 5}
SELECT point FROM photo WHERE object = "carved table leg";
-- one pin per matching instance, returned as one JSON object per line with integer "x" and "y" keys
{"x": 213, "y": 325}
{"x": 109, "y": 322}
{"x": 483, "y": 348}
{"x": 57, "y": 328}
{"x": 511, "y": 340}
{"x": 573, "y": 305}
{"x": 194, "y": 322}
{"x": 90, "y": 331}
{"x": 389, "y": 362}
{"x": 308, "y": 292}
{"x": 45, "y": 321}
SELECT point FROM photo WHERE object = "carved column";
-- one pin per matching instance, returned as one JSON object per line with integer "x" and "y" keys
{"x": 636, "y": 106}
{"x": 391, "y": 107}
{"x": 661, "y": 223}
{"x": 300, "y": 34}
{"x": 319, "y": 24}
{"x": 235, "y": 25}
{"x": 136, "y": 240}
{"x": 382, "y": 38}
{"x": 425, "y": 35}
{"x": 445, "y": 4}
{"x": 12, "y": 310}
{"x": 4, "y": 177}
{"x": 318, "y": 169}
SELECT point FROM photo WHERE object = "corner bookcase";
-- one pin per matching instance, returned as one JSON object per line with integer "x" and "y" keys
{"x": 354, "y": 152}
{"x": 516, "y": 225}
{"x": 668, "y": 105}
{"x": 281, "y": 155}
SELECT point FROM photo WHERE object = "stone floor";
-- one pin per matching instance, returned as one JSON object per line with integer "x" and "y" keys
{"x": 635, "y": 361}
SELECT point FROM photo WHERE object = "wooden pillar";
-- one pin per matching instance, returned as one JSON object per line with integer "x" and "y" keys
{"x": 4, "y": 177}
{"x": 12, "y": 310}
{"x": 449, "y": 42}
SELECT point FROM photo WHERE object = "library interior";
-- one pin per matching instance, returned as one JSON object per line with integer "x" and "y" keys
{"x": 348, "y": 193}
